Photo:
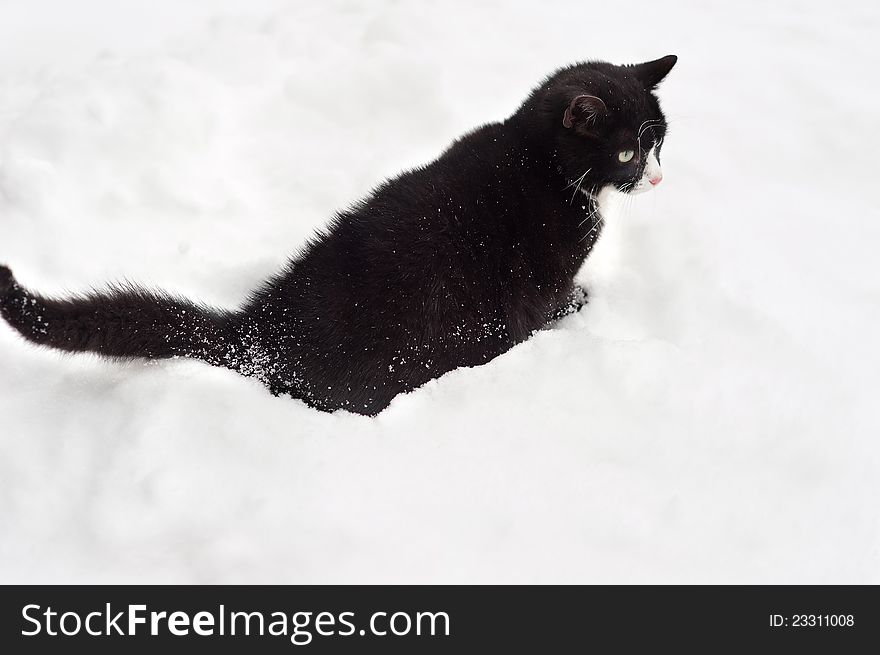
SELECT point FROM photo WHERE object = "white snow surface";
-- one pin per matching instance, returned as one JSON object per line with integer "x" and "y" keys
{"x": 712, "y": 416}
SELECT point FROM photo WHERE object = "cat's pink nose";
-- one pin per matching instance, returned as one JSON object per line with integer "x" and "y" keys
{"x": 655, "y": 180}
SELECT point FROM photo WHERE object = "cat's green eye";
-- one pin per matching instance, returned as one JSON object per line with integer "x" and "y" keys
{"x": 625, "y": 156}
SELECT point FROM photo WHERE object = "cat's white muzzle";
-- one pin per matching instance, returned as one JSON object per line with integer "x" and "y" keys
{"x": 652, "y": 175}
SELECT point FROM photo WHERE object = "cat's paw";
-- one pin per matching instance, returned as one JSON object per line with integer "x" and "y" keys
{"x": 576, "y": 301}
{"x": 6, "y": 280}
{"x": 579, "y": 298}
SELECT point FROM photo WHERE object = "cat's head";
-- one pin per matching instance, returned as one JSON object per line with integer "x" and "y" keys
{"x": 605, "y": 123}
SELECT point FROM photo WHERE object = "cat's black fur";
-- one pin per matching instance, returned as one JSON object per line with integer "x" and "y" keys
{"x": 445, "y": 266}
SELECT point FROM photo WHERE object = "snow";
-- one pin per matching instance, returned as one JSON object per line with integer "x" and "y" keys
{"x": 710, "y": 417}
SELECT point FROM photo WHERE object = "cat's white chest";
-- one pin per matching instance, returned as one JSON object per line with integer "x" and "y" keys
{"x": 606, "y": 201}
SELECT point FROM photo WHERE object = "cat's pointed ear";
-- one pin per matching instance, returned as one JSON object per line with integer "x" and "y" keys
{"x": 651, "y": 73}
{"x": 583, "y": 109}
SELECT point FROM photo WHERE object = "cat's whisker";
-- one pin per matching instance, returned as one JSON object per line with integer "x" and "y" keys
{"x": 577, "y": 181}
{"x": 578, "y": 185}
{"x": 591, "y": 194}
{"x": 598, "y": 224}
{"x": 639, "y": 130}
{"x": 589, "y": 216}
{"x": 645, "y": 126}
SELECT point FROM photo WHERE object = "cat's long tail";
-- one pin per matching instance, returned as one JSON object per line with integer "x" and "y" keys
{"x": 124, "y": 321}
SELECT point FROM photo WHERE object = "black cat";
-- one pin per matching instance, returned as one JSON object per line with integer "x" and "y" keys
{"x": 445, "y": 266}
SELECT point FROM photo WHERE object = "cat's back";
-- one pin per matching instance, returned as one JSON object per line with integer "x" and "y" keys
{"x": 432, "y": 212}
